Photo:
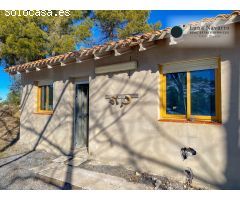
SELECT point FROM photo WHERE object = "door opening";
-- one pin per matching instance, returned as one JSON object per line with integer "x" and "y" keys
{"x": 81, "y": 115}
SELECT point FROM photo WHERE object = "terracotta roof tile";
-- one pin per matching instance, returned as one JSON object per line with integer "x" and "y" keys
{"x": 109, "y": 46}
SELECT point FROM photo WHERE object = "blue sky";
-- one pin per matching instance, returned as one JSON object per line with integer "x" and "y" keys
{"x": 4, "y": 83}
{"x": 167, "y": 18}
{"x": 170, "y": 18}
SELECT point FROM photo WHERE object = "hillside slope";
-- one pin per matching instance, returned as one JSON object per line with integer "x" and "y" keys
{"x": 9, "y": 130}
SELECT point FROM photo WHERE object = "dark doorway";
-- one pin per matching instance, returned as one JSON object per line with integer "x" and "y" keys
{"x": 81, "y": 115}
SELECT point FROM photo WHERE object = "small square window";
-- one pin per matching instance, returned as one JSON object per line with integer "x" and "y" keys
{"x": 45, "y": 98}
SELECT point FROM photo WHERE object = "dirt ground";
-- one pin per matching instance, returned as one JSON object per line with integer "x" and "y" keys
{"x": 15, "y": 173}
{"x": 15, "y": 160}
{"x": 9, "y": 130}
{"x": 151, "y": 181}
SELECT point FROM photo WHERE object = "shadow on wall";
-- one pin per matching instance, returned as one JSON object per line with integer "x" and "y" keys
{"x": 231, "y": 173}
{"x": 231, "y": 127}
{"x": 121, "y": 132}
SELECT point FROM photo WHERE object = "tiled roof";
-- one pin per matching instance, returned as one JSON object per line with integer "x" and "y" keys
{"x": 96, "y": 51}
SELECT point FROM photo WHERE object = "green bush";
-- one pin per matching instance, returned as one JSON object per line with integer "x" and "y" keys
{"x": 14, "y": 95}
{"x": 13, "y": 98}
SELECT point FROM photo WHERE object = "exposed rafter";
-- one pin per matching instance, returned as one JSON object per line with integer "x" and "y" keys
{"x": 141, "y": 48}
{"x": 96, "y": 57}
{"x": 62, "y": 63}
{"x": 116, "y": 53}
{"x": 78, "y": 60}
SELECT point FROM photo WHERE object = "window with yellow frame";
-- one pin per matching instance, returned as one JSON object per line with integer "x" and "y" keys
{"x": 190, "y": 90}
{"x": 45, "y": 99}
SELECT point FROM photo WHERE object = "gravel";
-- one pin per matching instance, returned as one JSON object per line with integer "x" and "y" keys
{"x": 15, "y": 173}
{"x": 151, "y": 181}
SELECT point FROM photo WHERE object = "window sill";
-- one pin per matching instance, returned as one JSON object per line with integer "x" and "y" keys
{"x": 43, "y": 112}
{"x": 190, "y": 122}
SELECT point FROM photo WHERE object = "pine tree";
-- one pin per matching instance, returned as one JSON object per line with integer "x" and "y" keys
{"x": 119, "y": 24}
{"x": 28, "y": 38}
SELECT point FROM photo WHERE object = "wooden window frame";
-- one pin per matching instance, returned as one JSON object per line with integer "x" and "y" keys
{"x": 39, "y": 110}
{"x": 188, "y": 116}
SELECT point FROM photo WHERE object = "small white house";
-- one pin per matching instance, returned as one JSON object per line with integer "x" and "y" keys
{"x": 144, "y": 102}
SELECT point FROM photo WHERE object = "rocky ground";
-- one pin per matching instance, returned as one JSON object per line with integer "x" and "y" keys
{"x": 151, "y": 181}
{"x": 9, "y": 130}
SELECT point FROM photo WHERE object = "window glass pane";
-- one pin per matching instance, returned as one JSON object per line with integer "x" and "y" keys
{"x": 203, "y": 92}
{"x": 43, "y": 98}
{"x": 176, "y": 93}
{"x": 50, "y": 106}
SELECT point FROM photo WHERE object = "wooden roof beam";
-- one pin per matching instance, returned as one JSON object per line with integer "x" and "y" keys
{"x": 49, "y": 66}
{"x": 141, "y": 47}
{"x": 116, "y": 52}
{"x": 62, "y": 64}
{"x": 96, "y": 57}
{"x": 78, "y": 60}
